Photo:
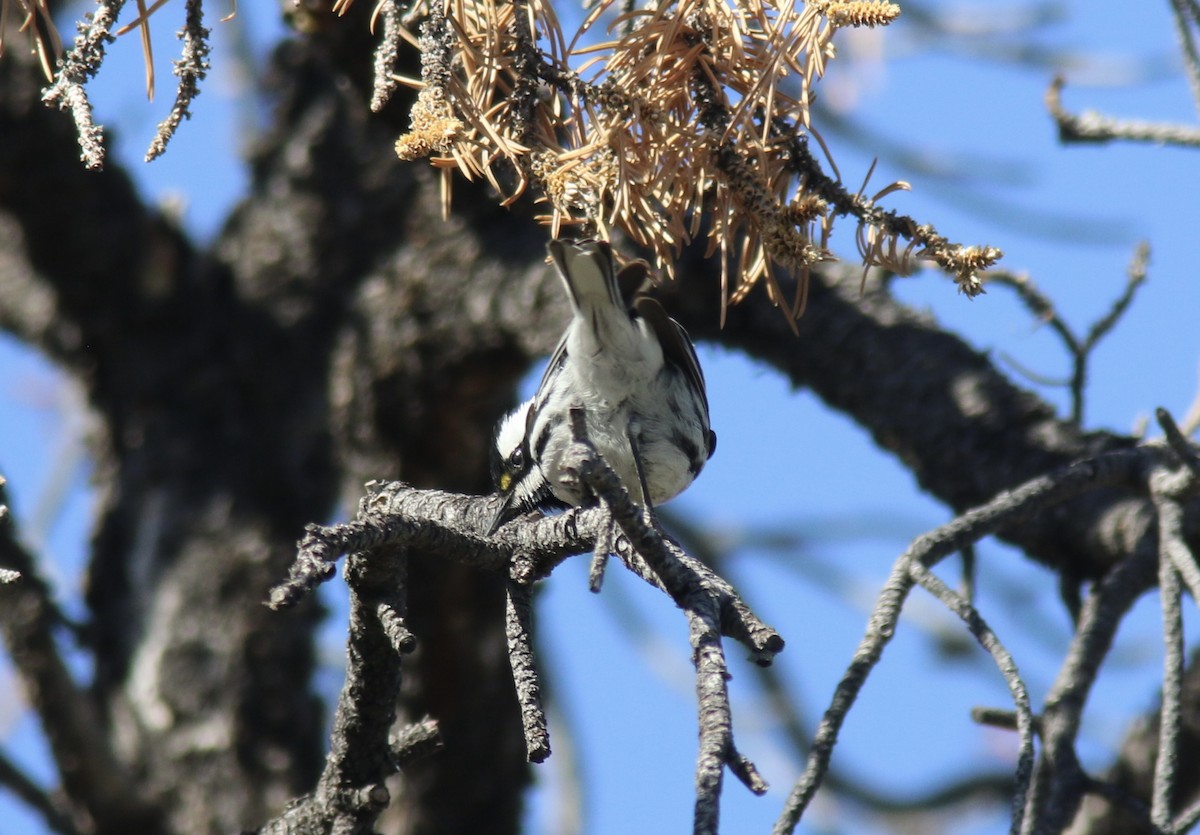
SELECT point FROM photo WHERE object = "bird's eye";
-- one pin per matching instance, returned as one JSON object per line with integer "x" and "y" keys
{"x": 517, "y": 461}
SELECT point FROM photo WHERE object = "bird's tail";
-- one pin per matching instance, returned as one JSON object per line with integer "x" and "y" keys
{"x": 589, "y": 274}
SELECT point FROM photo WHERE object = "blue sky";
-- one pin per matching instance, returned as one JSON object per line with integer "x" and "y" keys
{"x": 620, "y": 661}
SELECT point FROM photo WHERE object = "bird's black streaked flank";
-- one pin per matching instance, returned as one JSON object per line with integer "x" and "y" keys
{"x": 632, "y": 370}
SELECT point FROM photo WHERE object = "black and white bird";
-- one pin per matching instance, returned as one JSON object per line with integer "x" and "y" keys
{"x": 634, "y": 373}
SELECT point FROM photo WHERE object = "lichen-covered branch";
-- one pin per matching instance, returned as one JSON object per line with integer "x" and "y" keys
{"x": 519, "y": 629}
{"x": 395, "y": 521}
{"x": 1090, "y": 126}
{"x": 1059, "y": 782}
{"x": 351, "y": 793}
{"x": 191, "y": 68}
{"x": 387, "y": 53}
{"x": 79, "y": 65}
{"x": 926, "y": 551}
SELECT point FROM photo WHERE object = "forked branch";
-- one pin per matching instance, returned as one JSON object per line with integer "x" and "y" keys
{"x": 396, "y": 523}
{"x": 1101, "y": 614}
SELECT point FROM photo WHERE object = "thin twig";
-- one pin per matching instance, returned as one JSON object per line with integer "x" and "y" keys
{"x": 519, "y": 629}
{"x": 927, "y": 550}
{"x": 54, "y": 816}
{"x": 662, "y": 562}
{"x": 703, "y": 607}
{"x": 1185, "y": 19}
{"x": 1059, "y": 782}
{"x": 351, "y": 794}
{"x": 1176, "y": 562}
{"x": 1002, "y": 718}
{"x": 1178, "y": 442}
{"x": 963, "y": 263}
{"x": 716, "y": 722}
{"x": 390, "y": 513}
{"x": 1080, "y": 349}
{"x": 1167, "y": 760}
{"x": 600, "y": 559}
{"x": 191, "y": 69}
{"x": 387, "y": 53}
{"x": 91, "y": 774}
{"x": 524, "y": 97}
{"x": 415, "y": 742}
{"x": 1043, "y": 309}
{"x": 79, "y": 65}
{"x": 389, "y": 612}
{"x": 1007, "y": 667}
{"x": 1135, "y": 277}
{"x": 968, "y": 576}
{"x": 880, "y": 629}
{"x": 1092, "y": 127}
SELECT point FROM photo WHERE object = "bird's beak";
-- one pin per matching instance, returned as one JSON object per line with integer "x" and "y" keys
{"x": 508, "y": 510}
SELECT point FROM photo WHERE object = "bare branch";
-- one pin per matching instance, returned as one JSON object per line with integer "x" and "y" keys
{"x": 1135, "y": 277}
{"x": 415, "y": 742}
{"x": 1025, "y": 724}
{"x": 391, "y": 514}
{"x": 1080, "y": 349}
{"x": 1186, "y": 17}
{"x": 191, "y": 69}
{"x": 91, "y": 774}
{"x": 79, "y": 65}
{"x": 1167, "y": 761}
{"x": 518, "y": 619}
{"x": 600, "y": 553}
{"x": 394, "y": 520}
{"x": 1169, "y": 486}
{"x": 1059, "y": 782}
{"x": 1186, "y": 452}
{"x": 703, "y": 607}
{"x": 1092, "y": 127}
{"x": 351, "y": 794}
{"x": 387, "y": 53}
{"x": 927, "y": 550}
{"x": 56, "y": 818}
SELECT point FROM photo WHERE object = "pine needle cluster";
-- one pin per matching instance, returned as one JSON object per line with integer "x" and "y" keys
{"x": 682, "y": 118}
{"x": 664, "y": 122}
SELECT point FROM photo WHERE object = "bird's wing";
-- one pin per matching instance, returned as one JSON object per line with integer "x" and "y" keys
{"x": 676, "y": 346}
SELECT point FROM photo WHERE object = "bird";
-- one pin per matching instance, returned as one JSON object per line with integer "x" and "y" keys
{"x": 632, "y": 371}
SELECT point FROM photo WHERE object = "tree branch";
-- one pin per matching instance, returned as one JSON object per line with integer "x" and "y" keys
{"x": 396, "y": 519}
{"x": 56, "y": 818}
{"x": 191, "y": 68}
{"x": 1059, "y": 782}
{"x": 926, "y": 551}
{"x": 933, "y": 402}
{"x": 96, "y": 784}
{"x": 519, "y": 627}
{"x": 1093, "y": 127}
{"x": 79, "y": 65}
